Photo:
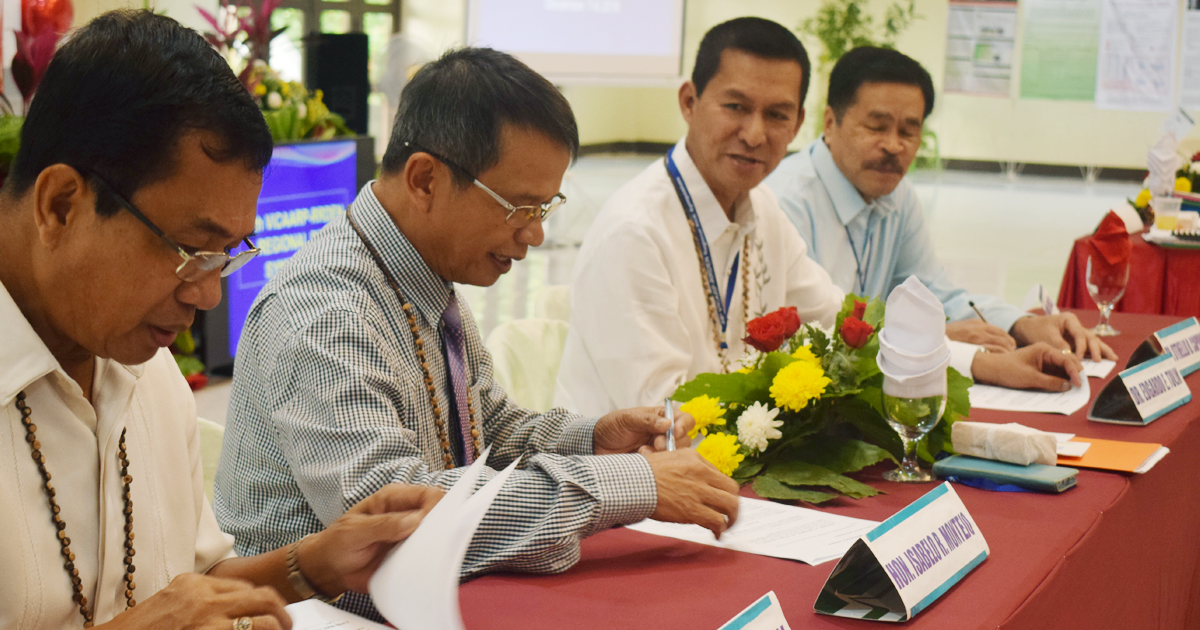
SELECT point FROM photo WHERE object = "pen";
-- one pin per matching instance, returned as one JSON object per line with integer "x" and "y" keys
{"x": 976, "y": 309}
{"x": 670, "y": 411}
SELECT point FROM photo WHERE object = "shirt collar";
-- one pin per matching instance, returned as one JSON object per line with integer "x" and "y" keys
{"x": 713, "y": 220}
{"x": 423, "y": 288}
{"x": 847, "y": 202}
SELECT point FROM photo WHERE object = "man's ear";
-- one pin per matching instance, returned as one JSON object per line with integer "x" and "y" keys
{"x": 420, "y": 180}
{"x": 830, "y": 117}
{"x": 61, "y": 197}
{"x": 687, "y": 100}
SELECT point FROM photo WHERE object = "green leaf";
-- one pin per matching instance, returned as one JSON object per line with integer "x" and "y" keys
{"x": 958, "y": 397}
{"x": 727, "y": 387}
{"x": 185, "y": 342}
{"x": 769, "y": 488}
{"x": 866, "y": 414}
{"x": 842, "y": 456}
{"x": 188, "y": 365}
{"x": 799, "y": 473}
{"x": 747, "y": 469}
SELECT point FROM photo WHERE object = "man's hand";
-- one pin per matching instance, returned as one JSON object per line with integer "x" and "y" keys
{"x": 1038, "y": 366}
{"x": 344, "y": 556}
{"x": 627, "y": 430}
{"x": 1064, "y": 332}
{"x": 981, "y": 333}
{"x": 200, "y": 602}
{"x": 692, "y": 490}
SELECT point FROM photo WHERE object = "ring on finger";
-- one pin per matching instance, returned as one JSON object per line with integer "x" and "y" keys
{"x": 243, "y": 623}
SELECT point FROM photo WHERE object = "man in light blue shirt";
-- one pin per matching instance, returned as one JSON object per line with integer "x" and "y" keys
{"x": 847, "y": 196}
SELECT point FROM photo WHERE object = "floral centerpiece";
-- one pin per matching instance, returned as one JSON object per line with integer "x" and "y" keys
{"x": 291, "y": 112}
{"x": 806, "y": 408}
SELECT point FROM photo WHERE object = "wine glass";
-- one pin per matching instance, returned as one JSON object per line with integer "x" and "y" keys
{"x": 912, "y": 418}
{"x": 1106, "y": 284}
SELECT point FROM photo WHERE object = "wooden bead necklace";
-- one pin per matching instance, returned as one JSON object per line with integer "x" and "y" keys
{"x": 419, "y": 342}
{"x": 61, "y": 526}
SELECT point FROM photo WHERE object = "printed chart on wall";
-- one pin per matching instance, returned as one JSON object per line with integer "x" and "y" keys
{"x": 979, "y": 46}
{"x": 1189, "y": 61}
{"x": 1136, "y": 69}
{"x": 1059, "y": 48}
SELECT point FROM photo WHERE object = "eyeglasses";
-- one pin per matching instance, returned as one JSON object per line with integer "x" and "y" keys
{"x": 518, "y": 216}
{"x": 195, "y": 265}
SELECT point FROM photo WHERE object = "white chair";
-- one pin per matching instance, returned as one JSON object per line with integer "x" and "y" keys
{"x": 526, "y": 354}
{"x": 211, "y": 437}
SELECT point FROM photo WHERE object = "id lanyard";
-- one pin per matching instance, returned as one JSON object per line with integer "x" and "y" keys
{"x": 685, "y": 198}
{"x": 863, "y": 265}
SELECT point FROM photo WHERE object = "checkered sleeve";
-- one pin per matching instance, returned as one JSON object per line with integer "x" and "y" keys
{"x": 350, "y": 416}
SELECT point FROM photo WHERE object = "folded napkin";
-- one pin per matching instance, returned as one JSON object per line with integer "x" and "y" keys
{"x": 1163, "y": 161}
{"x": 913, "y": 355}
{"x": 1012, "y": 443}
{"x": 1110, "y": 248}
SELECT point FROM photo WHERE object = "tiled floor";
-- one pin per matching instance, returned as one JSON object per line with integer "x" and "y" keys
{"x": 995, "y": 235}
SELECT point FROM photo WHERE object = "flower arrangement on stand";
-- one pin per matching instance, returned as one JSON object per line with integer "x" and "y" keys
{"x": 291, "y": 112}
{"x": 806, "y": 408}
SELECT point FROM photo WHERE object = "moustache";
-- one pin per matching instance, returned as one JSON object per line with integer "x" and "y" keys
{"x": 889, "y": 164}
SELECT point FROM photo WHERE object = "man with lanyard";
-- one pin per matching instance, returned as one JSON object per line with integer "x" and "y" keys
{"x": 683, "y": 255}
{"x": 133, "y": 192}
{"x": 360, "y": 365}
{"x": 862, "y": 221}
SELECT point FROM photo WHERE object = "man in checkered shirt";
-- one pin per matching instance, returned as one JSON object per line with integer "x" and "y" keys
{"x": 330, "y": 401}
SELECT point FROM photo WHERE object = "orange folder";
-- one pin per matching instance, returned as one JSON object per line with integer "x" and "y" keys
{"x": 1111, "y": 455}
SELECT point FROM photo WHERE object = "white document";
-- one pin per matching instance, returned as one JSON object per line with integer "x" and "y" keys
{"x": 773, "y": 529}
{"x": 979, "y": 47}
{"x": 312, "y": 614}
{"x": 416, "y": 586}
{"x": 1066, "y": 447}
{"x": 1004, "y": 399}
{"x": 1154, "y": 458}
{"x": 1098, "y": 369}
{"x": 1136, "y": 69}
{"x": 1189, "y": 58}
{"x": 1039, "y": 297}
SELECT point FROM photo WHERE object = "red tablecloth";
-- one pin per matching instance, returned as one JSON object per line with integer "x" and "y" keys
{"x": 1162, "y": 281}
{"x": 1118, "y": 551}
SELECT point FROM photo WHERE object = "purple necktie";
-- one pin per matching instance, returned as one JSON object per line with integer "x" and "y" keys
{"x": 452, "y": 338}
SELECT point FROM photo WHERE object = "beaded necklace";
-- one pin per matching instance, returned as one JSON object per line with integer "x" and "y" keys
{"x": 419, "y": 342}
{"x": 722, "y": 347}
{"x": 61, "y": 526}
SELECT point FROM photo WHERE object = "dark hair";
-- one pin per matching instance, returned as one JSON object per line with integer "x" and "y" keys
{"x": 119, "y": 95}
{"x": 455, "y": 107}
{"x": 759, "y": 37}
{"x": 874, "y": 65}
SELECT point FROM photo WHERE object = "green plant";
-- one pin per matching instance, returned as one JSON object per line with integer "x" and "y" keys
{"x": 843, "y": 25}
{"x": 290, "y": 111}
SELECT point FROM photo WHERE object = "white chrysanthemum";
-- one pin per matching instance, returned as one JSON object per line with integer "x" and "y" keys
{"x": 301, "y": 110}
{"x": 274, "y": 100}
{"x": 757, "y": 425}
{"x": 1194, "y": 167}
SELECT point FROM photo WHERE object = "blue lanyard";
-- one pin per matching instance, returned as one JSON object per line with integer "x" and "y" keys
{"x": 685, "y": 198}
{"x": 864, "y": 265}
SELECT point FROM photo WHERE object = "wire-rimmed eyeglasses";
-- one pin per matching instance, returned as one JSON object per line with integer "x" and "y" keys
{"x": 518, "y": 216}
{"x": 195, "y": 265}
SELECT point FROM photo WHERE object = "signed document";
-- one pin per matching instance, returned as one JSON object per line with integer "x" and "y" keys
{"x": 1004, "y": 399}
{"x": 773, "y": 529}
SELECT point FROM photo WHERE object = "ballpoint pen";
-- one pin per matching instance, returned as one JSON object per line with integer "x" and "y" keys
{"x": 670, "y": 411}
{"x": 976, "y": 309}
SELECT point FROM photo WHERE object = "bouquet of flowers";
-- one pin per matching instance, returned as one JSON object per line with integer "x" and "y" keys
{"x": 806, "y": 408}
{"x": 291, "y": 112}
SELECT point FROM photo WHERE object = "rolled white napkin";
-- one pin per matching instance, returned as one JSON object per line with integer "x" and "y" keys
{"x": 1163, "y": 160}
{"x": 1012, "y": 443}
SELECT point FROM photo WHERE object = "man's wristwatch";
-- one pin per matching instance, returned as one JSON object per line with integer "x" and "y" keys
{"x": 296, "y": 578}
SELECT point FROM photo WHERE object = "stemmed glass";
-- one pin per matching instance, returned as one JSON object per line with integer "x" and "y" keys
{"x": 912, "y": 418}
{"x": 1106, "y": 288}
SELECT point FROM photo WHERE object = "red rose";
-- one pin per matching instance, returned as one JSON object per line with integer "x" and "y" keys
{"x": 768, "y": 332}
{"x": 196, "y": 381}
{"x": 856, "y": 332}
{"x": 860, "y": 308}
{"x": 1195, "y": 156}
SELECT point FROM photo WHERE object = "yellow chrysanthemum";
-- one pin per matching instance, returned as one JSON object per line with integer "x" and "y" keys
{"x": 745, "y": 369}
{"x": 722, "y": 450}
{"x": 805, "y": 353}
{"x": 797, "y": 384}
{"x": 1183, "y": 184}
{"x": 260, "y": 89}
{"x": 707, "y": 411}
{"x": 285, "y": 89}
{"x": 1143, "y": 198}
